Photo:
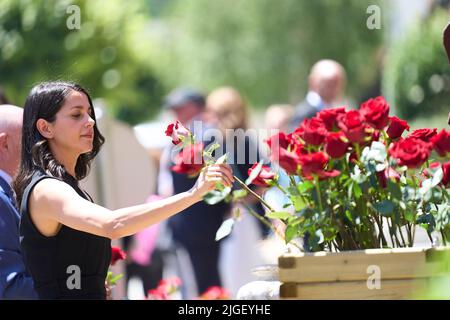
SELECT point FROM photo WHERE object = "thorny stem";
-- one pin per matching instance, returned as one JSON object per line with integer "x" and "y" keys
{"x": 264, "y": 221}
{"x": 253, "y": 193}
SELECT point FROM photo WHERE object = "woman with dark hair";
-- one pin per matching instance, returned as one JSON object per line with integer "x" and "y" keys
{"x": 65, "y": 237}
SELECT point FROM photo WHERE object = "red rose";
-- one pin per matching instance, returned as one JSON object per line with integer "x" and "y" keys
{"x": 330, "y": 117}
{"x": 396, "y": 127}
{"x": 386, "y": 174}
{"x": 156, "y": 294}
{"x": 353, "y": 157}
{"x": 280, "y": 140}
{"x": 376, "y": 135}
{"x": 116, "y": 255}
{"x": 169, "y": 285}
{"x": 215, "y": 293}
{"x": 336, "y": 144}
{"x": 424, "y": 134}
{"x": 177, "y": 132}
{"x": 190, "y": 160}
{"x": 411, "y": 152}
{"x": 352, "y": 125}
{"x": 264, "y": 177}
{"x": 446, "y": 169}
{"x": 315, "y": 163}
{"x": 312, "y": 131}
{"x": 441, "y": 142}
{"x": 165, "y": 288}
{"x": 376, "y": 112}
{"x": 284, "y": 151}
{"x": 288, "y": 160}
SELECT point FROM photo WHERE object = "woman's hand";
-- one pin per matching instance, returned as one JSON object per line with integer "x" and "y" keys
{"x": 208, "y": 178}
{"x": 108, "y": 291}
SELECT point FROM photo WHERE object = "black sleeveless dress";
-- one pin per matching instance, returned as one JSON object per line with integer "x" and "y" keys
{"x": 70, "y": 265}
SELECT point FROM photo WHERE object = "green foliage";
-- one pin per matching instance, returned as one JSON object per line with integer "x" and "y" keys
{"x": 417, "y": 75}
{"x": 437, "y": 288}
{"x": 265, "y": 48}
{"x": 107, "y": 54}
{"x": 112, "y": 279}
{"x": 356, "y": 210}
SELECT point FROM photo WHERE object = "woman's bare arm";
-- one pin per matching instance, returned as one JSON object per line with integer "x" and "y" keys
{"x": 55, "y": 201}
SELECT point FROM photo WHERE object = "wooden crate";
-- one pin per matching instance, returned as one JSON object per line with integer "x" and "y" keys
{"x": 345, "y": 275}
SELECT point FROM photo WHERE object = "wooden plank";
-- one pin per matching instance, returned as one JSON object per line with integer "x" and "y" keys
{"x": 353, "y": 290}
{"x": 404, "y": 263}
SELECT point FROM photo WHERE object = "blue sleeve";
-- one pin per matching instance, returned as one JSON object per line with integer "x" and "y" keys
{"x": 15, "y": 283}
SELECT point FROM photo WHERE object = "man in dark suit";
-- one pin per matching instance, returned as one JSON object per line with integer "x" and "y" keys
{"x": 326, "y": 86}
{"x": 195, "y": 228}
{"x": 15, "y": 282}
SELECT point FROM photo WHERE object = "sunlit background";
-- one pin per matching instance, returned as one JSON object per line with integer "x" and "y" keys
{"x": 132, "y": 53}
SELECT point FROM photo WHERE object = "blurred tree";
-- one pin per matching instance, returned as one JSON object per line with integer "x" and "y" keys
{"x": 265, "y": 48}
{"x": 106, "y": 54}
{"x": 417, "y": 74}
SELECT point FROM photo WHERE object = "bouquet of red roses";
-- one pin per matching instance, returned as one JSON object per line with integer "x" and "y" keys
{"x": 362, "y": 184}
{"x": 355, "y": 182}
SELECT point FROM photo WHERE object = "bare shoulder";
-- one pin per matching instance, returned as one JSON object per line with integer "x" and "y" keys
{"x": 46, "y": 201}
{"x": 50, "y": 195}
{"x": 48, "y": 189}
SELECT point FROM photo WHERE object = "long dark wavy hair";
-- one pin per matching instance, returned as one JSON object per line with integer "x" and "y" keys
{"x": 43, "y": 102}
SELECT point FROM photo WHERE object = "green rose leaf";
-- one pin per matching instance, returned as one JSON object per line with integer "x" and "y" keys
{"x": 239, "y": 194}
{"x": 316, "y": 239}
{"x": 290, "y": 233}
{"x": 385, "y": 207}
{"x": 395, "y": 190}
{"x": 409, "y": 215}
{"x": 298, "y": 203}
{"x": 225, "y": 229}
{"x": 279, "y": 215}
{"x": 215, "y": 196}
{"x": 305, "y": 186}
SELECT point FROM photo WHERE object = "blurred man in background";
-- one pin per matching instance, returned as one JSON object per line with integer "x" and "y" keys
{"x": 15, "y": 282}
{"x": 195, "y": 228}
{"x": 326, "y": 87}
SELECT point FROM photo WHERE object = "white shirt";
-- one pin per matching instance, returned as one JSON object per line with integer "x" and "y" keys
{"x": 315, "y": 100}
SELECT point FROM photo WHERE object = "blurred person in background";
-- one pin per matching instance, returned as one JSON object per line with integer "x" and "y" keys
{"x": 238, "y": 253}
{"x": 15, "y": 282}
{"x": 326, "y": 85}
{"x": 195, "y": 229}
{"x": 278, "y": 117}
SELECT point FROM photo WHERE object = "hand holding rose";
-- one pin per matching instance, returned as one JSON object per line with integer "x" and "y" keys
{"x": 210, "y": 176}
